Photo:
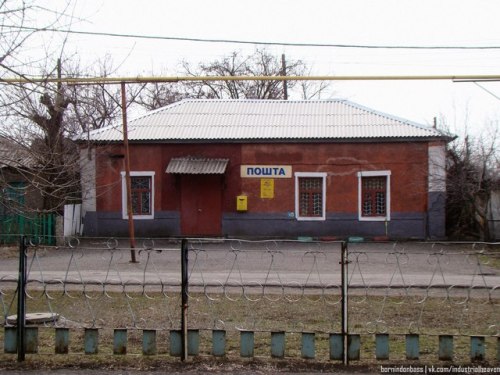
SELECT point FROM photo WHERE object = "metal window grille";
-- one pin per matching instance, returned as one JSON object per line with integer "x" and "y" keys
{"x": 141, "y": 195}
{"x": 374, "y": 196}
{"x": 311, "y": 196}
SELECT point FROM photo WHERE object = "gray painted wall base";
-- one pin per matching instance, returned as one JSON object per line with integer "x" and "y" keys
{"x": 167, "y": 224}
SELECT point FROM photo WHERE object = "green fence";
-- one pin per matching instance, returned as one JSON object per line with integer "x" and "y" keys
{"x": 40, "y": 226}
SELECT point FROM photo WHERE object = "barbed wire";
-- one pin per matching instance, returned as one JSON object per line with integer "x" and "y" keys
{"x": 261, "y": 285}
{"x": 456, "y": 282}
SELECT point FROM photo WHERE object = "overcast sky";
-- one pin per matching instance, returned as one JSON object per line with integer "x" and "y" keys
{"x": 356, "y": 22}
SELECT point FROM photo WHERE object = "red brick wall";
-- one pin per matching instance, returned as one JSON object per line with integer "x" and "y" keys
{"x": 155, "y": 157}
{"x": 408, "y": 163}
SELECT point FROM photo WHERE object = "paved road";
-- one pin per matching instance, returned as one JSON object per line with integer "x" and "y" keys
{"x": 283, "y": 264}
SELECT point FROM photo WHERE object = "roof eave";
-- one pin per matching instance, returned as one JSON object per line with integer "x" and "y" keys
{"x": 447, "y": 138}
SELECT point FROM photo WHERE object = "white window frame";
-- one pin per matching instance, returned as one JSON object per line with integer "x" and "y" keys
{"x": 124, "y": 195}
{"x": 386, "y": 174}
{"x": 299, "y": 175}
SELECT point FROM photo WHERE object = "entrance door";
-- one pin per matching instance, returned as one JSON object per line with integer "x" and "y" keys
{"x": 201, "y": 205}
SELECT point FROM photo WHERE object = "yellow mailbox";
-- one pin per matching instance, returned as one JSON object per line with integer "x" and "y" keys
{"x": 241, "y": 203}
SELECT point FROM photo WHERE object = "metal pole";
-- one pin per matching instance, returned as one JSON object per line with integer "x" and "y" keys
{"x": 116, "y": 80}
{"x": 184, "y": 292}
{"x": 283, "y": 72}
{"x": 128, "y": 182}
{"x": 21, "y": 301}
{"x": 345, "y": 324}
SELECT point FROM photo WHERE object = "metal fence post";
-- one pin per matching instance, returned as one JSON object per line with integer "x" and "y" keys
{"x": 21, "y": 301}
{"x": 184, "y": 297}
{"x": 345, "y": 323}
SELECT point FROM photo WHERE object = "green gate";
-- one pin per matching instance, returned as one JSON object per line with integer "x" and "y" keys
{"x": 40, "y": 226}
{"x": 16, "y": 220}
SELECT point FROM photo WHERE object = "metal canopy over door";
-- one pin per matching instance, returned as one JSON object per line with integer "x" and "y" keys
{"x": 201, "y": 194}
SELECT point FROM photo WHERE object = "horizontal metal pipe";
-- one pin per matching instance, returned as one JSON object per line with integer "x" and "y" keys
{"x": 119, "y": 80}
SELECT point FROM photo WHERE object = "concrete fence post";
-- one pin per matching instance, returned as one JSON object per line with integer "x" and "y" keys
{"x": 382, "y": 346}
{"x": 246, "y": 344}
{"x": 149, "y": 342}
{"x": 445, "y": 347}
{"x": 308, "y": 349}
{"x": 61, "y": 341}
{"x": 91, "y": 341}
{"x": 412, "y": 347}
{"x": 278, "y": 344}
{"x": 354, "y": 347}
{"x": 120, "y": 341}
{"x": 477, "y": 348}
{"x": 218, "y": 342}
{"x": 336, "y": 346}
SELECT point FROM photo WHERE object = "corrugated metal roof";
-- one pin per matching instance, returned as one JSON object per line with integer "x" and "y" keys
{"x": 190, "y": 165}
{"x": 13, "y": 155}
{"x": 193, "y": 119}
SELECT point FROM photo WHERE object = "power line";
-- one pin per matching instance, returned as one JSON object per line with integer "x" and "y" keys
{"x": 254, "y": 42}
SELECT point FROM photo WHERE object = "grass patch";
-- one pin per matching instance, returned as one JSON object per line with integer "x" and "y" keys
{"x": 8, "y": 252}
{"x": 430, "y": 317}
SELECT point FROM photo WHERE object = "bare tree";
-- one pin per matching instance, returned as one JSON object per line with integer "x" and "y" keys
{"x": 13, "y": 15}
{"x": 36, "y": 116}
{"x": 20, "y": 21}
{"x": 43, "y": 117}
{"x": 261, "y": 63}
{"x": 472, "y": 176}
{"x": 310, "y": 90}
{"x": 157, "y": 95}
{"x": 94, "y": 105}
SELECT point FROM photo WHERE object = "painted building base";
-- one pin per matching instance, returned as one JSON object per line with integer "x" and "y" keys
{"x": 436, "y": 226}
{"x": 280, "y": 225}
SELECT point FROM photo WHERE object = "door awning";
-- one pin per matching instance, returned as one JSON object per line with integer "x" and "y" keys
{"x": 191, "y": 165}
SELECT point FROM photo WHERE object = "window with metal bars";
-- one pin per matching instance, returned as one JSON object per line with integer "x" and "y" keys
{"x": 374, "y": 196}
{"x": 141, "y": 195}
{"x": 310, "y": 196}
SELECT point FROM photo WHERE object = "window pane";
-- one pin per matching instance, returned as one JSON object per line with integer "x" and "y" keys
{"x": 141, "y": 195}
{"x": 317, "y": 204}
{"x": 311, "y": 196}
{"x": 135, "y": 202}
{"x": 140, "y": 182}
{"x": 374, "y": 196}
{"x": 310, "y": 183}
{"x": 380, "y": 203}
{"x": 304, "y": 202}
{"x": 145, "y": 203}
{"x": 367, "y": 204}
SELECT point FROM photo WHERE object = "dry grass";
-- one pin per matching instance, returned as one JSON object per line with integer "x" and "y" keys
{"x": 162, "y": 312}
{"x": 7, "y": 252}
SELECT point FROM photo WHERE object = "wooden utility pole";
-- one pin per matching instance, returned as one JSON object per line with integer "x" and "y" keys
{"x": 128, "y": 181}
{"x": 283, "y": 68}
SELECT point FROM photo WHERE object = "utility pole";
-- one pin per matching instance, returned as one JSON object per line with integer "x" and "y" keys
{"x": 128, "y": 182}
{"x": 283, "y": 72}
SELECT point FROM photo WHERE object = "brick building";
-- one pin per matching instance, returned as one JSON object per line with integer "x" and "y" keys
{"x": 267, "y": 168}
